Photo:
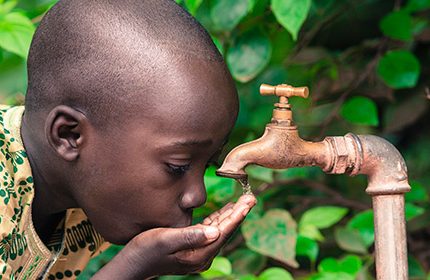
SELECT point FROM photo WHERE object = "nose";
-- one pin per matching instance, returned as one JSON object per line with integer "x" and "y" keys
{"x": 194, "y": 195}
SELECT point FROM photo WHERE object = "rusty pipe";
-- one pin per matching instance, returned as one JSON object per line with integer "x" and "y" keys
{"x": 281, "y": 147}
{"x": 387, "y": 183}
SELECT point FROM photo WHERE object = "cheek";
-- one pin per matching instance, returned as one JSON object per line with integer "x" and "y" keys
{"x": 133, "y": 191}
{"x": 123, "y": 206}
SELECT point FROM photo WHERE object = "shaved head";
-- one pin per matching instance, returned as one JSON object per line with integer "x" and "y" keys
{"x": 108, "y": 58}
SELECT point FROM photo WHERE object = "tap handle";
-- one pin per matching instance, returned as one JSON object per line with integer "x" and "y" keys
{"x": 284, "y": 90}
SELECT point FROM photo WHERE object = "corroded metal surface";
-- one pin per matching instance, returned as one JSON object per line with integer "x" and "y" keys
{"x": 390, "y": 237}
{"x": 280, "y": 147}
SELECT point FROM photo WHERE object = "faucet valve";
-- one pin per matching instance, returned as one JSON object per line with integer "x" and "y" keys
{"x": 282, "y": 114}
{"x": 284, "y": 90}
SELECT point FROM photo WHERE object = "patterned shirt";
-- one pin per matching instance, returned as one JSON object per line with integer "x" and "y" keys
{"x": 22, "y": 254}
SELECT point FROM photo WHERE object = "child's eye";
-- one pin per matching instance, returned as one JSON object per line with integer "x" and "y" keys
{"x": 177, "y": 170}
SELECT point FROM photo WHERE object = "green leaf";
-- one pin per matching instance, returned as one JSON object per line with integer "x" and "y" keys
{"x": 251, "y": 5}
{"x": 307, "y": 247}
{"x": 291, "y": 14}
{"x": 332, "y": 276}
{"x": 415, "y": 269}
{"x": 246, "y": 261}
{"x": 218, "y": 45}
{"x": 417, "y": 5}
{"x": 363, "y": 223}
{"x": 257, "y": 211}
{"x": 412, "y": 211}
{"x": 417, "y": 194}
{"x": 218, "y": 189}
{"x": 360, "y": 110}
{"x": 226, "y": 14}
{"x": 16, "y": 32}
{"x": 7, "y": 7}
{"x": 399, "y": 69}
{"x": 273, "y": 235}
{"x": 249, "y": 55}
{"x": 193, "y": 5}
{"x": 248, "y": 277}
{"x": 220, "y": 267}
{"x": 350, "y": 240}
{"x": 311, "y": 231}
{"x": 275, "y": 273}
{"x": 323, "y": 217}
{"x": 350, "y": 264}
{"x": 397, "y": 25}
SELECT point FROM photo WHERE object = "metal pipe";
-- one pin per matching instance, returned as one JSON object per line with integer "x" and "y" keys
{"x": 387, "y": 183}
{"x": 281, "y": 147}
{"x": 390, "y": 237}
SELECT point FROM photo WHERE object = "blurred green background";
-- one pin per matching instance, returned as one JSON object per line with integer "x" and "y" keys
{"x": 367, "y": 66}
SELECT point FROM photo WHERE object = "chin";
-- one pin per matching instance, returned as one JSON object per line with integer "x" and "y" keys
{"x": 122, "y": 238}
{"x": 119, "y": 239}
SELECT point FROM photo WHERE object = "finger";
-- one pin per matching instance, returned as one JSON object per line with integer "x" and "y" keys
{"x": 178, "y": 239}
{"x": 245, "y": 201}
{"x": 230, "y": 223}
{"x": 212, "y": 217}
{"x": 223, "y": 216}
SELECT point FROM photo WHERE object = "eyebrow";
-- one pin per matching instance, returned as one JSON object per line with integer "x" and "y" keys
{"x": 187, "y": 143}
{"x": 196, "y": 142}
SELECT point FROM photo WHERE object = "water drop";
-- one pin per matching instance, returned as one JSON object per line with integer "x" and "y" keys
{"x": 246, "y": 187}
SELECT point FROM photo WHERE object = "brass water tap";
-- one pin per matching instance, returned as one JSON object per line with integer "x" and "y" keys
{"x": 280, "y": 147}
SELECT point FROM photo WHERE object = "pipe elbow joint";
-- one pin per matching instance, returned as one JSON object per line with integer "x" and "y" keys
{"x": 372, "y": 156}
{"x": 384, "y": 166}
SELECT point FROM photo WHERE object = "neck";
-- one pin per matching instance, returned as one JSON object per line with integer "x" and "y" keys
{"x": 50, "y": 197}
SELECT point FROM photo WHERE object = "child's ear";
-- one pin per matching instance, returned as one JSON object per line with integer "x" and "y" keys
{"x": 64, "y": 130}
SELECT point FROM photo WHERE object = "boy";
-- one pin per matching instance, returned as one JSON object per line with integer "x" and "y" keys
{"x": 127, "y": 102}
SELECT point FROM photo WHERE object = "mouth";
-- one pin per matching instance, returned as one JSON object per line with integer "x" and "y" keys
{"x": 186, "y": 220}
{"x": 186, "y": 223}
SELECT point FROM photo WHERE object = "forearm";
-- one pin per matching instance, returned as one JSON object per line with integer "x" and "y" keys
{"x": 120, "y": 267}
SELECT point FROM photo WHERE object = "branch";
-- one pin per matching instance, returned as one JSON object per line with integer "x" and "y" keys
{"x": 333, "y": 196}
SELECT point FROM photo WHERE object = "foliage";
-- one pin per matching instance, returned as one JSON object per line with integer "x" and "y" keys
{"x": 366, "y": 63}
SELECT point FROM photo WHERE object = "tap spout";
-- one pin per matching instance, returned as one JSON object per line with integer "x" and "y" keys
{"x": 278, "y": 148}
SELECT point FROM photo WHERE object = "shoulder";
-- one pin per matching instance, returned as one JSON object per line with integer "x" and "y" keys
{"x": 16, "y": 184}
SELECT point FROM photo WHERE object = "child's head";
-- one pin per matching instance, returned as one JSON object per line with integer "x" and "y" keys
{"x": 127, "y": 102}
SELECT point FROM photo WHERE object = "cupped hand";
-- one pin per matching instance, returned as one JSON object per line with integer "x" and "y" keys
{"x": 164, "y": 251}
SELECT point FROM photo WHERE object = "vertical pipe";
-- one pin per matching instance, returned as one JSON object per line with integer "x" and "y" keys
{"x": 390, "y": 237}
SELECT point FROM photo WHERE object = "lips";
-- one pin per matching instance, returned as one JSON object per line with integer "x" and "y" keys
{"x": 186, "y": 220}
{"x": 185, "y": 223}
